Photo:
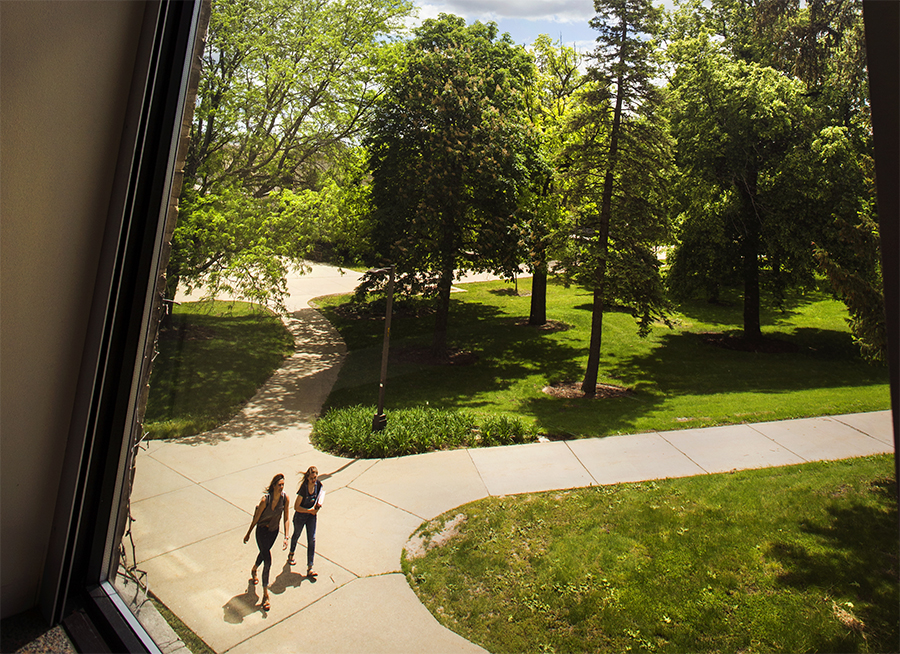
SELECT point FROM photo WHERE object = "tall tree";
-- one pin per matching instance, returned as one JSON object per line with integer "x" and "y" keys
{"x": 621, "y": 153}
{"x": 820, "y": 188}
{"x": 544, "y": 220}
{"x": 451, "y": 151}
{"x": 742, "y": 131}
{"x": 285, "y": 88}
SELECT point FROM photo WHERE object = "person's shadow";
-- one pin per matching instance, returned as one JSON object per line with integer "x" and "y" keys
{"x": 287, "y": 578}
{"x": 240, "y": 606}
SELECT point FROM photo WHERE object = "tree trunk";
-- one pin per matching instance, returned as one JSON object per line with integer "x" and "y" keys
{"x": 750, "y": 264}
{"x": 589, "y": 385}
{"x": 750, "y": 260}
{"x": 441, "y": 318}
{"x": 538, "y": 315}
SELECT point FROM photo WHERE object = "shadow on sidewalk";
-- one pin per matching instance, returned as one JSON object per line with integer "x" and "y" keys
{"x": 240, "y": 606}
{"x": 287, "y": 578}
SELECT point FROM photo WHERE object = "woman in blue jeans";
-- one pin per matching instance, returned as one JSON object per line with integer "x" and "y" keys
{"x": 266, "y": 519}
{"x": 306, "y": 507}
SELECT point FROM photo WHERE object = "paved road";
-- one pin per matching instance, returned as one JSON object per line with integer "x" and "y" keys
{"x": 193, "y": 499}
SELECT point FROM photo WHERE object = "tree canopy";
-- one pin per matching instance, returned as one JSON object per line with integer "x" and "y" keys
{"x": 285, "y": 89}
{"x": 450, "y": 156}
{"x": 774, "y": 149}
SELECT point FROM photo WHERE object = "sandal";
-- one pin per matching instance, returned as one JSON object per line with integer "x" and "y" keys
{"x": 311, "y": 573}
{"x": 265, "y": 606}
{"x": 291, "y": 560}
{"x": 253, "y": 578}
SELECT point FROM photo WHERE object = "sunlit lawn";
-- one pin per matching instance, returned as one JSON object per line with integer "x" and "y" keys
{"x": 676, "y": 380}
{"x": 795, "y": 559}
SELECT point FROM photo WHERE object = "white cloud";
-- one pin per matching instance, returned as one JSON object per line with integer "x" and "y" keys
{"x": 563, "y": 11}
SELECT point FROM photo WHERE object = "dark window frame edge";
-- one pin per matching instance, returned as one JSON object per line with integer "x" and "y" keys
{"x": 88, "y": 521}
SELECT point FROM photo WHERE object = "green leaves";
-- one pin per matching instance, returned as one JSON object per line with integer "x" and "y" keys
{"x": 774, "y": 151}
{"x": 450, "y": 152}
{"x": 286, "y": 88}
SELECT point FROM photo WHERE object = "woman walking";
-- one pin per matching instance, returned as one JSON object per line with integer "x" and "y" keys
{"x": 306, "y": 507}
{"x": 268, "y": 512}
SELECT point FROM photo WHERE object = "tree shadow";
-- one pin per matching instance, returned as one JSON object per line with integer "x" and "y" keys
{"x": 567, "y": 418}
{"x": 727, "y": 312}
{"x": 294, "y": 392}
{"x": 857, "y": 558}
{"x": 240, "y": 606}
{"x": 683, "y": 364}
{"x": 502, "y": 354}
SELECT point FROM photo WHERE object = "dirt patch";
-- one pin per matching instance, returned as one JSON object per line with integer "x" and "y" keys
{"x": 570, "y": 390}
{"x": 508, "y": 291}
{"x": 420, "y": 544}
{"x": 741, "y": 344}
{"x": 549, "y": 327}
{"x": 424, "y": 356}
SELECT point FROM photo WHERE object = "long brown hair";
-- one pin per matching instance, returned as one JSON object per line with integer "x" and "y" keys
{"x": 305, "y": 481}
{"x": 271, "y": 489}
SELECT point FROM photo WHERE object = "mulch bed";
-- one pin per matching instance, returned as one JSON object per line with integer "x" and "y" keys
{"x": 424, "y": 356}
{"x": 570, "y": 390}
{"x": 740, "y": 344}
{"x": 548, "y": 327}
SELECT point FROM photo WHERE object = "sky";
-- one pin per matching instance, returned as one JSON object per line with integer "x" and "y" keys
{"x": 524, "y": 19}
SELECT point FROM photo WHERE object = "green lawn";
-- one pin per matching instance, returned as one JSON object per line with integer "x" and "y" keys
{"x": 795, "y": 559}
{"x": 212, "y": 359}
{"x": 677, "y": 380}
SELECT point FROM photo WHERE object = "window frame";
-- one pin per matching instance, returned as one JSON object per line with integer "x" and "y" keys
{"x": 91, "y": 511}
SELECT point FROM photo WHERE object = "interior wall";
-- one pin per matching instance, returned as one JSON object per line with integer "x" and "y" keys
{"x": 65, "y": 76}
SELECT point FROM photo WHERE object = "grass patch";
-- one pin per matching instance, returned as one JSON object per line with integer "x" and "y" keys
{"x": 675, "y": 379}
{"x": 795, "y": 559}
{"x": 212, "y": 359}
{"x": 348, "y": 431}
{"x": 191, "y": 640}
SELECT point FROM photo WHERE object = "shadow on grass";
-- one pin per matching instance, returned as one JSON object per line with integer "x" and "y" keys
{"x": 669, "y": 365}
{"x": 724, "y": 312}
{"x": 292, "y": 395}
{"x": 504, "y": 353}
{"x": 682, "y": 364}
{"x": 857, "y": 559}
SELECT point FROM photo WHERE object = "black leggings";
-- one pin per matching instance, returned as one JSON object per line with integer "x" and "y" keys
{"x": 265, "y": 538}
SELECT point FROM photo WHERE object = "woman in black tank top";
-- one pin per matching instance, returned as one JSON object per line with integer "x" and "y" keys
{"x": 306, "y": 508}
{"x": 271, "y": 508}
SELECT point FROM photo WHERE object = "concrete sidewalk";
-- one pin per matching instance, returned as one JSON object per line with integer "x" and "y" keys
{"x": 193, "y": 499}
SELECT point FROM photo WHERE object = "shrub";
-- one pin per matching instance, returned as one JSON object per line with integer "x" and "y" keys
{"x": 348, "y": 431}
{"x": 503, "y": 430}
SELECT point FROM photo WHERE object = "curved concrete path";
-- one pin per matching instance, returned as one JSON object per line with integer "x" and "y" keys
{"x": 192, "y": 502}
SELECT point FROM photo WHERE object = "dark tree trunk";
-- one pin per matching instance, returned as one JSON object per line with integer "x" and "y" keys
{"x": 442, "y": 317}
{"x": 750, "y": 260}
{"x": 538, "y": 315}
{"x": 589, "y": 385}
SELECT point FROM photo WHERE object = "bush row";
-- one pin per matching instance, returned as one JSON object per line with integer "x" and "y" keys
{"x": 348, "y": 431}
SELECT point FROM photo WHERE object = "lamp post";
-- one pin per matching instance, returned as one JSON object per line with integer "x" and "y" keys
{"x": 379, "y": 422}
